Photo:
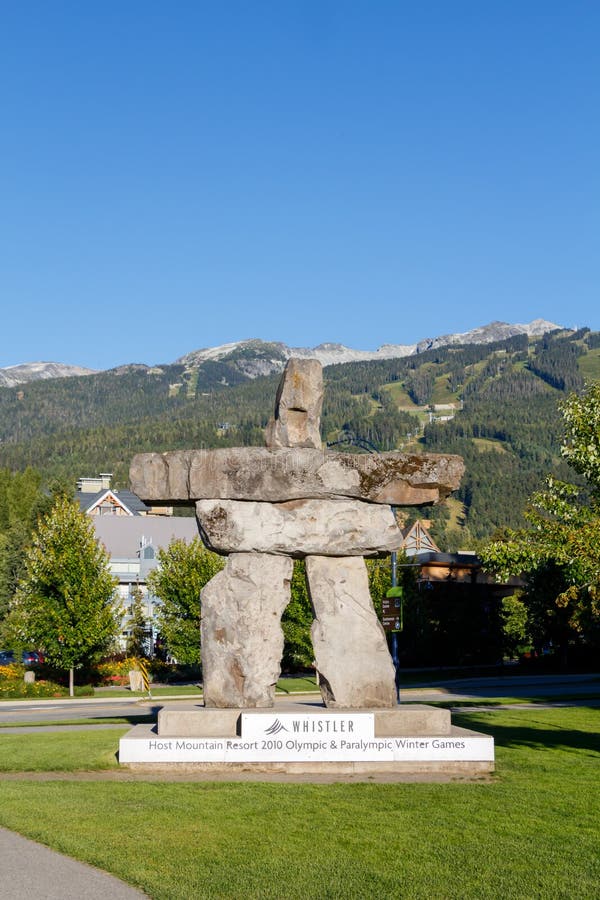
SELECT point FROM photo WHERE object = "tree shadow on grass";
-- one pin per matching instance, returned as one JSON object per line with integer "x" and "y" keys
{"x": 534, "y": 736}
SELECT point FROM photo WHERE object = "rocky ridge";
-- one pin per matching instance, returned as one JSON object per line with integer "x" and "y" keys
{"x": 37, "y": 371}
{"x": 255, "y": 357}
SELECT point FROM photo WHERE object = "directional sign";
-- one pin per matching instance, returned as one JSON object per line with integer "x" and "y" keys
{"x": 391, "y": 608}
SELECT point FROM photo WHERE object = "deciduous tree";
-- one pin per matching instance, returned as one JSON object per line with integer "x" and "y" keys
{"x": 581, "y": 445}
{"x": 558, "y": 552}
{"x": 138, "y": 626}
{"x": 183, "y": 570}
{"x": 65, "y": 601}
{"x": 296, "y": 623}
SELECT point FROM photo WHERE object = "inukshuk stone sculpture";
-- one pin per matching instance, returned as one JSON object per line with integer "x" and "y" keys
{"x": 263, "y": 507}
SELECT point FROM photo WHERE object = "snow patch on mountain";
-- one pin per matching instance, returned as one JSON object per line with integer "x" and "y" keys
{"x": 255, "y": 357}
{"x": 10, "y": 376}
{"x": 486, "y": 334}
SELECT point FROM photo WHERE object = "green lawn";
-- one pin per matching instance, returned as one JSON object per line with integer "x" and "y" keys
{"x": 540, "y": 700}
{"x": 285, "y": 685}
{"x": 126, "y": 721}
{"x": 167, "y": 690}
{"x": 533, "y": 832}
{"x": 59, "y": 751}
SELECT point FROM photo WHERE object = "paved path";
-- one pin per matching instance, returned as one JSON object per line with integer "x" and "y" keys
{"x": 29, "y": 870}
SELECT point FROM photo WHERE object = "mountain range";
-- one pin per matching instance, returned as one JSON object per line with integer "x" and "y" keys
{"x": 255, "y": 357}
{"x": 491, "y": 398}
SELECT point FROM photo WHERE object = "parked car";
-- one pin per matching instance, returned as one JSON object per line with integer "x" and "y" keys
{"x": 28, "y": 657}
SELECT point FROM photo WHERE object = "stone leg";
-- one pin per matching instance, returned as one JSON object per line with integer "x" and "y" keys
{"x": 242, "y": 639}
{"x": 351, "y": 653}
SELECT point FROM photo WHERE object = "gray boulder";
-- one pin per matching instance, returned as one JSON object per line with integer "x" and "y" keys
{"x": 297, "y": 419}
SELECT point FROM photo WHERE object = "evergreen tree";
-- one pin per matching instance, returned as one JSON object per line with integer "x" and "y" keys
{"x": 21, "y": 502}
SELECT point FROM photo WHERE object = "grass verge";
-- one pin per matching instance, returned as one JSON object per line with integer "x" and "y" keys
{"x": 534, "y": 832}
{"x": 284, "y": 685}
{"x": 127, "y": 721}
{"x": 512, "y": 701}
{"x": 67, "y": 751}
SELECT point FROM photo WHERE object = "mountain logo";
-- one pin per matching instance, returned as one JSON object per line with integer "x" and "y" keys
{"x": 275, "y": 728}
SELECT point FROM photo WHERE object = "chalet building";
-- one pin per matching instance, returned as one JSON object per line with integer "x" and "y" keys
{"x": 416, "y": 539}
{"x": 436, "y": 567}
{"x": 97, "y": 498}
{"x": 454, "y": 616}
{"x": 133, "y": 543}
{"x": 463, "y": 567}
{"x": 132, "y": 534}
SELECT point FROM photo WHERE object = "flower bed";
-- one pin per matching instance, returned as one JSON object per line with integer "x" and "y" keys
{"x": 14, "y": 687}
{"x": 115, "y": 671}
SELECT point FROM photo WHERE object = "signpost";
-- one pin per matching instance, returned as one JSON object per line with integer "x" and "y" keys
{"x": 392, "y": 621}
{"x": 391, "y": 608}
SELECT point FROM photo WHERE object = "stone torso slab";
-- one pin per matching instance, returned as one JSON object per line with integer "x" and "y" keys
{"x": 298, "y": 527}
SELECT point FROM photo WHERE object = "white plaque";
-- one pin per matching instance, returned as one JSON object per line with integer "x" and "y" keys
{"x": 302, "y": 747}
{"x": 351, "y": 726}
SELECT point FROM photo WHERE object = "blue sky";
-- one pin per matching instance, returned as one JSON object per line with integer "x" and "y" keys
{"x": 180, "y": 175}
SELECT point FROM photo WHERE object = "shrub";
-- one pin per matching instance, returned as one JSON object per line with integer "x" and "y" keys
{"x": 162, "y": 671}
{"x": 115, "y": 670}
{"x": 17, "y": 689}
{"x": 11, "y": 672}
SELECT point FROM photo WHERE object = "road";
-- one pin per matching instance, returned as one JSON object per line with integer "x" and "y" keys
{"x": 538, "y": 686}
{"x": 21, "y": 712}
{"x": 455, "y": 691}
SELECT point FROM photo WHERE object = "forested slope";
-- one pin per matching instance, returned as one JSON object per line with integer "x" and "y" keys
{"x": 496, "y": 404}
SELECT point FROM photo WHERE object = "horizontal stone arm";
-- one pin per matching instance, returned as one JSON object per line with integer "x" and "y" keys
{"x": 279, "y": 475}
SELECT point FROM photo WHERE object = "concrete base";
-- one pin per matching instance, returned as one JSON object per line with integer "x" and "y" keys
{"x": 408, "y": 740}
{"x": 200, "y": 721}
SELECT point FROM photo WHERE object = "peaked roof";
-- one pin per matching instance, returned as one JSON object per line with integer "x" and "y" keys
{"x": 416, "y": 539}
{"x": 127, "y": 500}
